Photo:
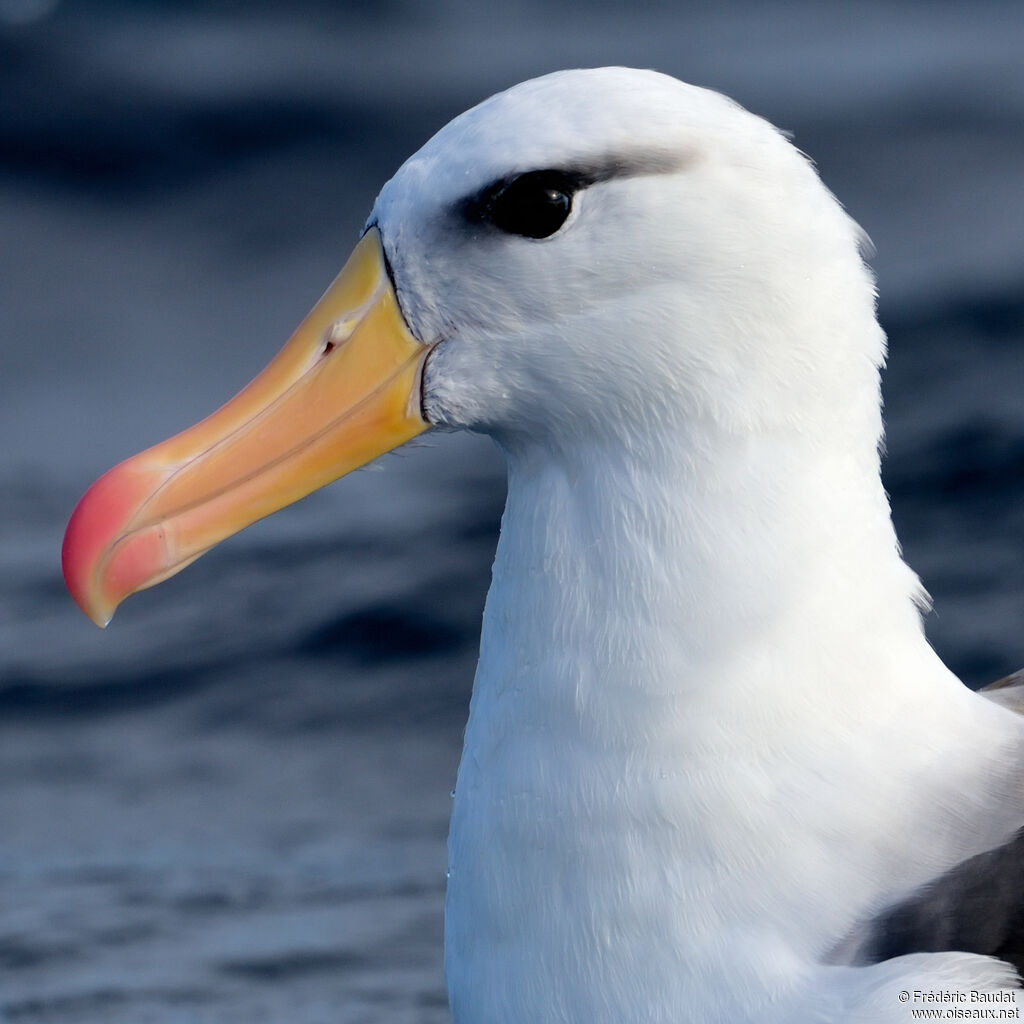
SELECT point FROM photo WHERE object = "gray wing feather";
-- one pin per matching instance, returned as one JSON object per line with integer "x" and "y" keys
{"x": 976, "y": 907}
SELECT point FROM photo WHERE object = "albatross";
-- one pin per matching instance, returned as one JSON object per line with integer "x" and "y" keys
{"x": 710, "y": 752}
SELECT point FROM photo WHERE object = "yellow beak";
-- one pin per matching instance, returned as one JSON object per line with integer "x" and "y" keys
{"x": 344, "y": 389}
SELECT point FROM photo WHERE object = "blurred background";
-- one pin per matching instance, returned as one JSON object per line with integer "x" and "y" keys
{"x": 232, "y": 804}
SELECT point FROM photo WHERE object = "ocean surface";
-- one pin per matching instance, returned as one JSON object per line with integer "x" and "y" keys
{"x": 231, "y": 805}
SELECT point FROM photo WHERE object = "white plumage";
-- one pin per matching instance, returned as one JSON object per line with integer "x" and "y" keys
{"x": 708, "y": 740}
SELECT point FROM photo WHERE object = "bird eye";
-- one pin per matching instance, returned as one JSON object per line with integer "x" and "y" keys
{"x": 534, "y": 205}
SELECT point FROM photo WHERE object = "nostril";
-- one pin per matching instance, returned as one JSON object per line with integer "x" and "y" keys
{"x": 338, "y": 333}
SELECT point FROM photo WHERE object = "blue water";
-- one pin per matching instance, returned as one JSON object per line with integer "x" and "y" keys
{"x": 231, "y": 805}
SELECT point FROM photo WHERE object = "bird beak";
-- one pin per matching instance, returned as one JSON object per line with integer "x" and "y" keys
{"x": 344, "y": 389}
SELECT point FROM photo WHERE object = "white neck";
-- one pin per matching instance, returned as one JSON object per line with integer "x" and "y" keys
{"x": 702, "y": 682}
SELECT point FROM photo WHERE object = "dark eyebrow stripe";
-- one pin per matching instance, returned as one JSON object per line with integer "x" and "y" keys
{"x": 578, "y": 176}
{"x": 631, "y": 165}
